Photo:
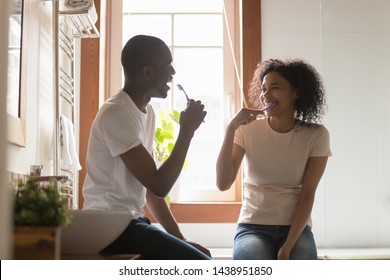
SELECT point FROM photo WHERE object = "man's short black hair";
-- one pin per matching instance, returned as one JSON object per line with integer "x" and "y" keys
{"x": 139, "y": 51}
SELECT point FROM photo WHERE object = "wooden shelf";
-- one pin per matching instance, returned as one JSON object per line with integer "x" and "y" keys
{"x": 101, "y": 257}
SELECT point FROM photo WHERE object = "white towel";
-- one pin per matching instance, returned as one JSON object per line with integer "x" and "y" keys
{"x": 69, "y": 157}
{"x": 79, "y": 4}
{"x": 16, "y": 7}
{"x": 84, "y": 11}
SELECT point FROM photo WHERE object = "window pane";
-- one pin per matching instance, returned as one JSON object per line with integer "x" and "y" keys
{"x": 194, "y": 32}
{"x": 198, "y": 30}
{"x": 156, "y": 25}
{"x": 175, "y": 6}
{"x": 199, "y": 71}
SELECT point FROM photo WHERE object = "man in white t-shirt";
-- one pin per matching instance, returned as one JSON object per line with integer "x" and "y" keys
{"x": 121, "y": 172}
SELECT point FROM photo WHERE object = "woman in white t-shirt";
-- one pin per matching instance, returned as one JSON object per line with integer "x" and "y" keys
{"x": 285, "y": 151}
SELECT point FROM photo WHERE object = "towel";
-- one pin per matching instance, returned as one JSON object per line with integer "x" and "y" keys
{"x": 69, "y": 157}
{"x": 79, "y": 4}
{"x": 84, "y": 11}
{"x": 16, "y": 7}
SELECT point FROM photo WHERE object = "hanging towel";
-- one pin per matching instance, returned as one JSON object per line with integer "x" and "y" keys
{"x": 69, "y": 157}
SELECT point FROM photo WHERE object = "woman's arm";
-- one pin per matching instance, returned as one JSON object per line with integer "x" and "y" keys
{"x": 228, "y": 162}
{"x": 313, "y": 173}
{"x": 231, "y": 155}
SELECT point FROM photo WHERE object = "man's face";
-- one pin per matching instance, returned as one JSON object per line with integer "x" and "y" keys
{"x": 162, "y": 73}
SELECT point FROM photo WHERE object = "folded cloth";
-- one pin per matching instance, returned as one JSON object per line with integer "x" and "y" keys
{"x": 83, "y": 11}
{"x": 79, "y": 4}
{"x": 16, "y": 7}
{"x": 69, "y": 157}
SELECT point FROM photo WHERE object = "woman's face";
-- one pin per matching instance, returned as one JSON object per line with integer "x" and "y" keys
{"x": 277, "y": 90}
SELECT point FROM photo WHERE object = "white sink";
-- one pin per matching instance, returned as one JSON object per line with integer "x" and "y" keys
{"x": 92, "y": 230}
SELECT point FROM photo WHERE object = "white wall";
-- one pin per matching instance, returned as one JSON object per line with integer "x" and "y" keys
{"x": 5, "y": 235}
{"x": 39, "y": 93}
{"x": 40, "y": 106}
{"x": 39, "y": 109}
{"x": 356, "y": 69}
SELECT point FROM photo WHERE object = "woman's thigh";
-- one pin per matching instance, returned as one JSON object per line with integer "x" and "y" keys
{"x": 262, "y": 242}
{"x": 254, "y": 242}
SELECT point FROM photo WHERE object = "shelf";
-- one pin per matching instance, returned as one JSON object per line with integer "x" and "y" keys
{"x": 81, "y": 23}
{"x": 50, "y": 178}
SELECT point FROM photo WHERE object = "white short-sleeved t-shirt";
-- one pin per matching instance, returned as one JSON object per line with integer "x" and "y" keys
{"x": 274, "y": 166}
{"x": 118, "y": 127}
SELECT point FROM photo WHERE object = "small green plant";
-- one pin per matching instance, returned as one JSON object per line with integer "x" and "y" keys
{"x": 39, "y": 205}
{"x": 164, "y": 137}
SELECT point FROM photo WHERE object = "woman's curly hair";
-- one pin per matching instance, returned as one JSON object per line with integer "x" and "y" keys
{"x": 311, "y": 104}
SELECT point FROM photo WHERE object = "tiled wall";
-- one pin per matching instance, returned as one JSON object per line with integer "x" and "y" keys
{"x": 64, "y": 185}
{"x": 356, "y": 69}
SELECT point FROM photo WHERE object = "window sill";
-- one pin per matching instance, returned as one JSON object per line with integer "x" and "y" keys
{"x": 203, "y": 212}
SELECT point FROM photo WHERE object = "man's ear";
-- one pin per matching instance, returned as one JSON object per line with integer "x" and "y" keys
{"x": 147, "y": 72}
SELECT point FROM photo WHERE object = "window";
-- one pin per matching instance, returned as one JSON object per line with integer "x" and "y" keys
{"x": 204, "y": 52}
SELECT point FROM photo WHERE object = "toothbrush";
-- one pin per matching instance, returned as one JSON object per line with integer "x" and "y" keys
{"x": 270, "y": 105}
{"x": 182, "y": 89}
{"x": 179, "y": 86}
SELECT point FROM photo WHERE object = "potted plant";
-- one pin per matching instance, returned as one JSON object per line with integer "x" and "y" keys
{"x": 39, "y": 213}
{"x": 164, "y": 141}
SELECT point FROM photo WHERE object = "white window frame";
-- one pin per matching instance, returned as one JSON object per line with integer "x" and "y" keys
{"x": 232, "y": 82}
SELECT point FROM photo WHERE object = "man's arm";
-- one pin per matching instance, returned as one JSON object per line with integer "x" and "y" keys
{"x": 160, "y": 210}
{"x": 141, "y": 164}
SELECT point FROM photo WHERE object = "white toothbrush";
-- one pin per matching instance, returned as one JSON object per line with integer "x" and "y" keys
{"x": 182, "y": 89}
{"x": 179, "y": 86}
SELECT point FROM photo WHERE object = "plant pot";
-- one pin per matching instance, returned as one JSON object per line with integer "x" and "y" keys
{"x": 37, "y": 243}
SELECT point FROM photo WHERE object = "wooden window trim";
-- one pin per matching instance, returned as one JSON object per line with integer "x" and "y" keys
{"x": 202, "y": 212}
{"x": 251, "y": 40}
{"x": 91, "y": 63}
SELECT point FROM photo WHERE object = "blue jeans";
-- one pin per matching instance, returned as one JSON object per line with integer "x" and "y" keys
{"x": 262, "y": 242}
{"x": 141, "y": 237}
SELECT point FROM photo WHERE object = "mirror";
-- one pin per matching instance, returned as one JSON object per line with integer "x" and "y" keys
{"x": 16, "y": 73}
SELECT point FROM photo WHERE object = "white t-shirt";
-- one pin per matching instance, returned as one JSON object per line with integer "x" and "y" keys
{"x": 274, "y": 166}
{"x": 118, "y": 127}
